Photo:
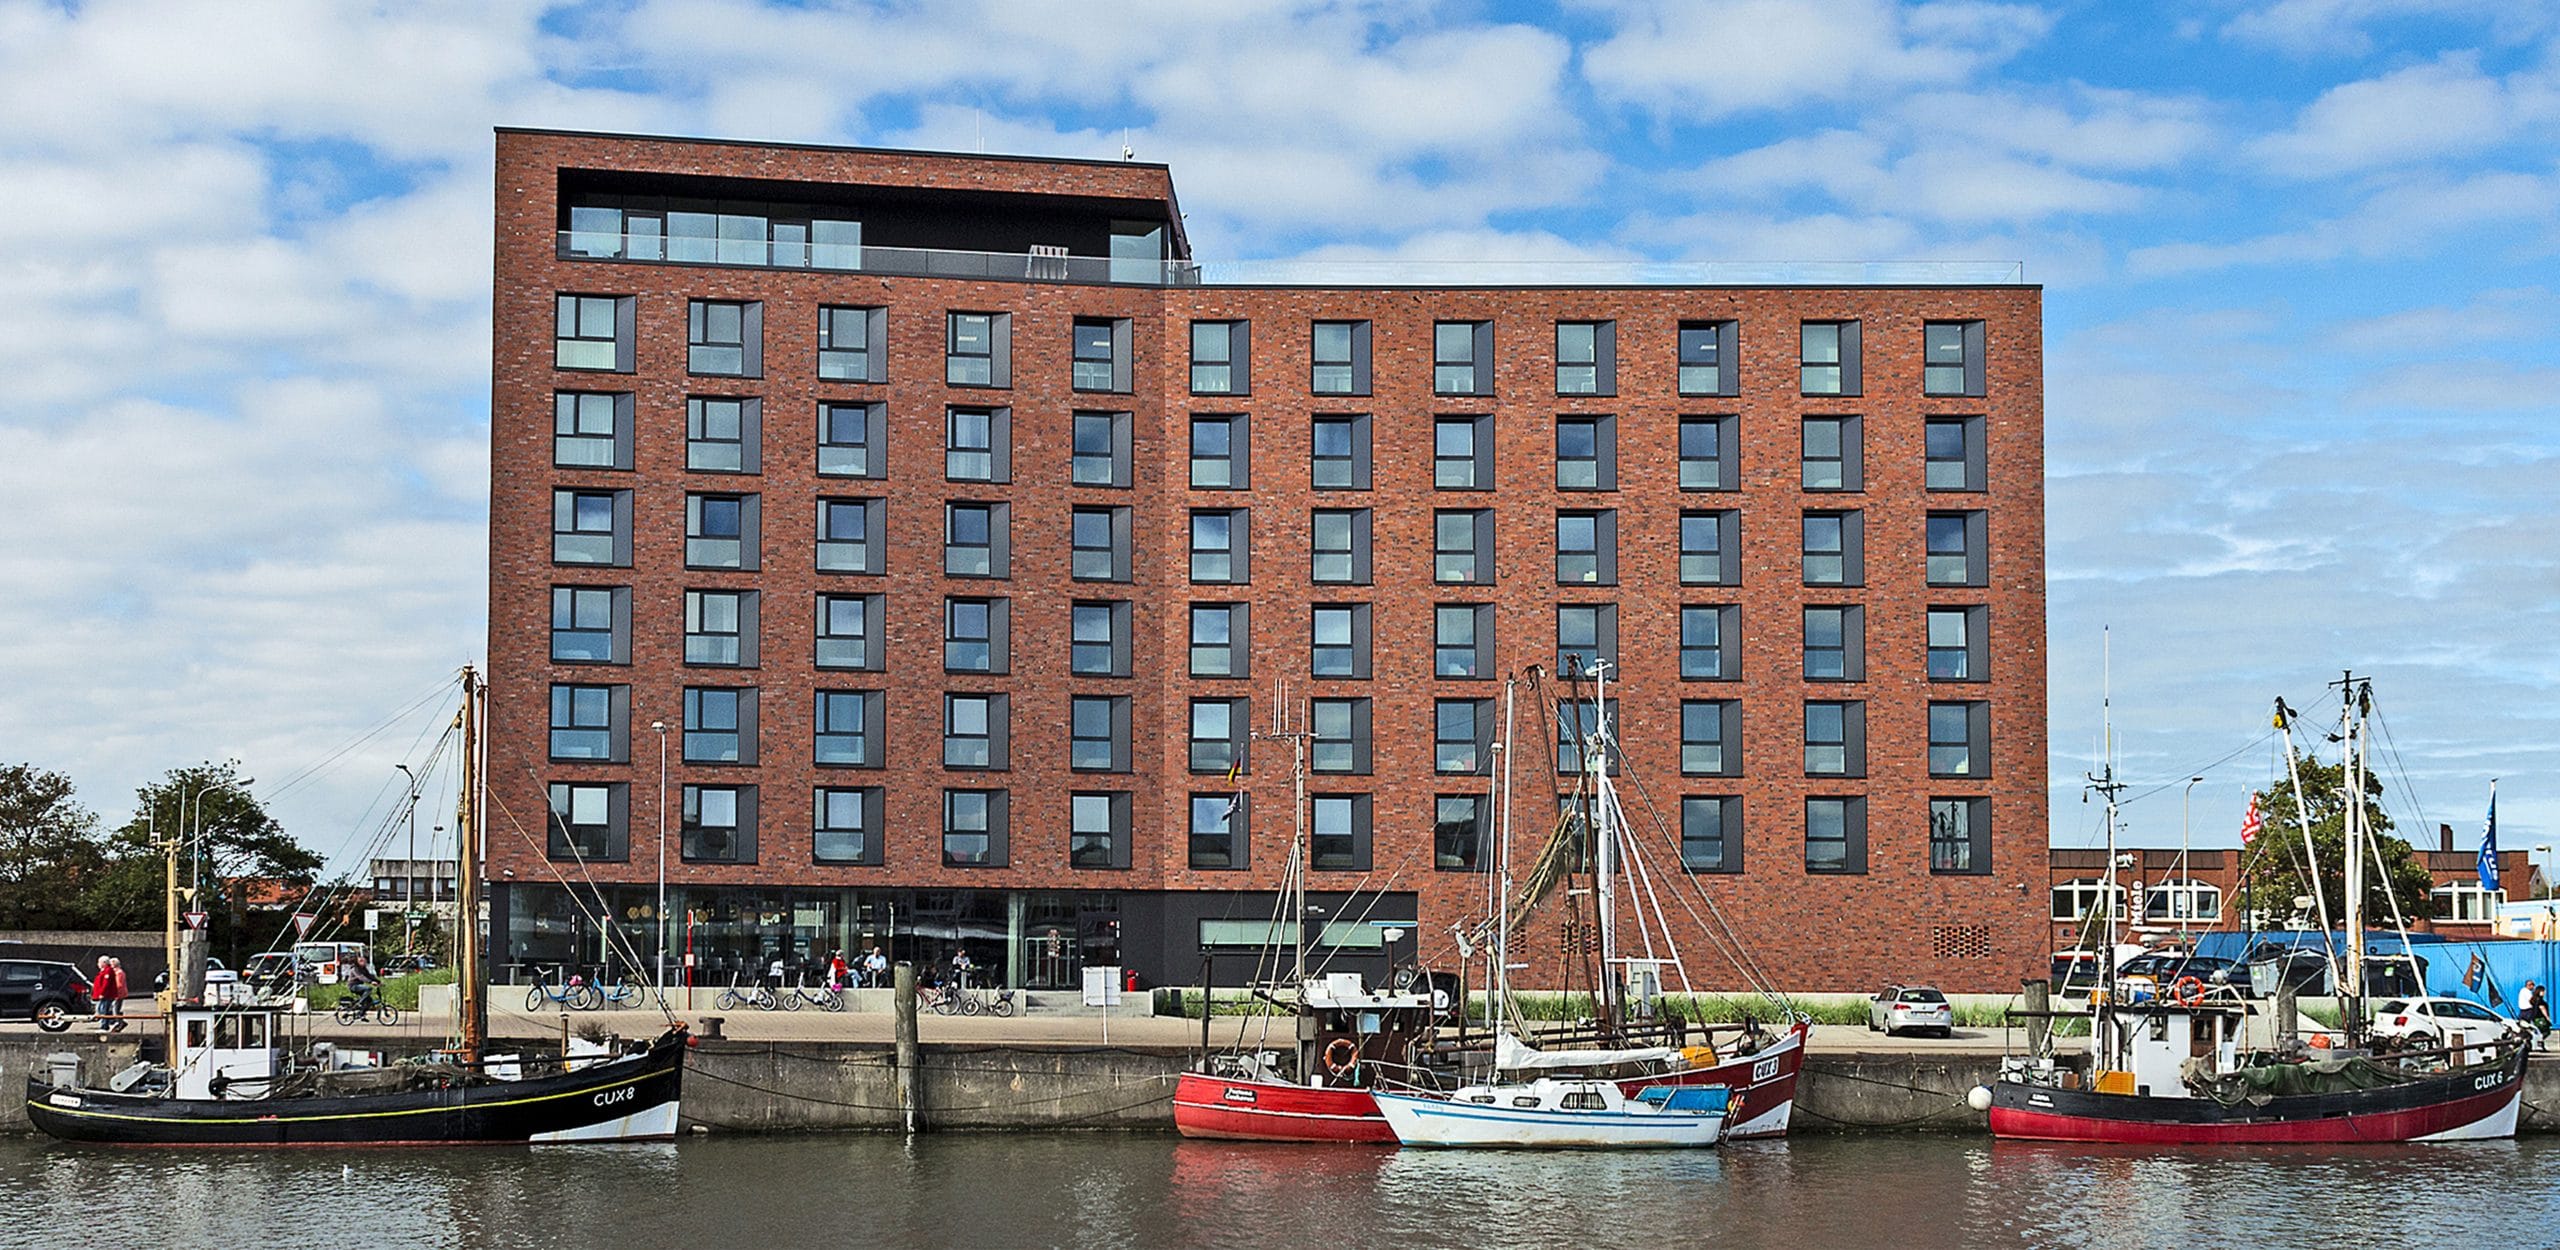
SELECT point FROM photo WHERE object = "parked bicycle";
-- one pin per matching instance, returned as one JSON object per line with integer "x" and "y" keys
{"x": 568, "y": 991}
{"x": 963, "y": 1001}
{"x": 744, "y": 993}
{"x": 625, "y": 993}
{"x": 821, "y": 996}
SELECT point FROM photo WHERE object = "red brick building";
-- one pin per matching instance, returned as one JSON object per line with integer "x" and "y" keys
{"x": 959, "y": 527}
{"x": 2170, "y": 893}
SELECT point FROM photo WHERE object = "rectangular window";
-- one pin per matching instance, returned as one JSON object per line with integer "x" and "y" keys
{"x": 1340, "y": 358}
{"x": 1098, "y": 544}
{"x": 1830, "y": 358}
{"x": 718, "y": 825}
{"x": 1951, "y": 358}
{"x": 1711, "y": 737}
{"x": 719, "y": 726}
{"x": 1834, "y": 453}
{"x": 1338, "y": 543}
{"x": 1103, "y": 356}
{"x": 1221, "y": 640}
{"x": 847, "y": 727}
{"x": 1960, "y": 836}
{"x": 976, "y": 731}
{"x": 845, "y": 826}
{"x": 1218, "y": 831}
{"x": 1954, "y": 452}
{"x": 1835, "y": 738}
{"x": 1960, "y": 739}
{"x": 849, "y": 537}
{"x": 1462, "y": 640}
{"x": 1102, "y": 450}
{"x": 591, "y": 430}
{"x": 1708, "y": 355}
{"x": 591, "y": 527}
{"x": 1707, "y": 454}
{"x": 720, "y": 532}
{"x": 975, "y": 829}
{"x": 852, "y": 440}
{"x": 1221, "y": 357}
{"x": 1711, "y": 833}
{"x": 591, "y": 624}
{"x": 1710, "y": 642}
{"x": 1587, "y": 548}
{"x": 1219, "y": 731}
{"x": 1462, "y": 358}
{"x": 1462, "y": 453}
{"x": 1586, "y": 358}
{"x": 978, "y": 445}
{"x": 1341, "y": 736}
{"x": 724, "y": 338}
{"x": 1586, "y": 634}
{"x": 1339, "y": 646}
{"x": 853, "y": 344}
{"x": 1578, "y": 730}
{"x": 1221, "y": 546}
{"x": 593, "y": 332}
{"x": 848, "y": 631}
{"x": 1956, "y": 542}
{"x": 589, "y": 821}
{"x": 720, "y": 628}
{"x": 1221, "y": 452}
{"x": 1835, "y": 835}
{"x": 1457, "y": 833}
{"x": 1587, "y": 453}
{"x": 1959, "y": 640}
{"x": 1711, "y": 548}
{"x": 1338, "y": 450}
{"x": 591, "y": 723}
{"x": 1462, "y": 546}
{"x": 1098, "y": 643}
{"x": 1461, "y": 735}
{"x": 1098, "y": 733}
{"x": 977, "y": 635}
{"x": 721, "y": 435}
{"x": 1098, "y": 829}
{"x": 1835, "y": 643}
{"x": 1835, "y": 549}
{"x": 1338, "y": 833}
{"x": 976, "y": 540}
{"x": 978, "y": 349}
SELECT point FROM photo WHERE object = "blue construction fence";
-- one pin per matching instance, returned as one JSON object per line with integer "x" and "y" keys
{"x": 2488, "y": 973}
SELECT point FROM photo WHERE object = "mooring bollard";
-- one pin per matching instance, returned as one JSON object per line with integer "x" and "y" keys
{"x": 908, "y": 1082}
{"x": 711, "y": 1028}
{"x": 2039, "y": 994}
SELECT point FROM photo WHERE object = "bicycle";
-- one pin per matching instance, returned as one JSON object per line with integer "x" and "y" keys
{"x": 623, "y": 994}
{"x": 572, "y": 992}
{"x": 961, "y": 1001}
{"x": 822, "y": 997}
{"x": 751, "y": 994}
{"x": 355, "y": 1008}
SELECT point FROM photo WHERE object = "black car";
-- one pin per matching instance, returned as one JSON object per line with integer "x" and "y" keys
{"x": 46, "y": 992}
{"x": 2165, "y": 969}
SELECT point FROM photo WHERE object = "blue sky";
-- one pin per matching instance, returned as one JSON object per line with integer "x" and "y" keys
{"x": 2298, "y": 259}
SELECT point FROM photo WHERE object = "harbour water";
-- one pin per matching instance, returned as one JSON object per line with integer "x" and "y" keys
{"x": 1105, "y": 1190}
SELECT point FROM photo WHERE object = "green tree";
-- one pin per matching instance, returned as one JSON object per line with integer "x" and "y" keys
{"x": 49, "y": 850}
{"x": 2275, "y": 863}
{"x": 230, "y": 845}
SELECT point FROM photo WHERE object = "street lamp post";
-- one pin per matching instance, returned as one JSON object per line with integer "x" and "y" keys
{"x": 661, "y": 728}
{"x": 2186, "y": 848}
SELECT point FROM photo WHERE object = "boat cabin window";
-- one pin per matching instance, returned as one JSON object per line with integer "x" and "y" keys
{"x": 240, "y": 1032}
{"x": 1486, "y": 1099}
{"x": 1524, "y": 1100}
{"x": 196, "y": 1034}
{"x": 1585, "y": 1100}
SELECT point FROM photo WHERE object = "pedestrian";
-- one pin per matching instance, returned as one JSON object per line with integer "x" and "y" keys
{"x": 2533, "y": 1006}
{"x": 106, "y": 992}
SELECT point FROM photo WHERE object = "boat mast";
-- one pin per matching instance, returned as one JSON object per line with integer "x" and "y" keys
{"x": 2104, "y": 1039}
{"x": 470, "y": 974}
{"x": 1502, "y": 876}
{"x": 1595, "y": 771}
{"x": 2351, "y": 779}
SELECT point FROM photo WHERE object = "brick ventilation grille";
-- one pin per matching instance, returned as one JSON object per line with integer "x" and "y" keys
{"x": 1960, "y": 941}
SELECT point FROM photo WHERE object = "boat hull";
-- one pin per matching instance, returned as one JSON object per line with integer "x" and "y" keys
{"x": 632, "y": 1098}
{"x": 1763, "y": 1085}
{"x": 1234, "y": 1109}
{"x": 2470, "y": 1105}
{"x": 1438, "y": 1122}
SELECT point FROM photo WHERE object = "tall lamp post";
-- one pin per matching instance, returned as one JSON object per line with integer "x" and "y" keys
{"x": 661, "y": 728}
{"x": 2186, "y": 849}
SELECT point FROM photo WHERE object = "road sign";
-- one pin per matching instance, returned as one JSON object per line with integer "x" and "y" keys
{"x": 197, "y": 919}
{"x": 302, "y": 922}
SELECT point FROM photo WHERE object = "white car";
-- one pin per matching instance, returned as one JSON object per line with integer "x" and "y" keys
{"x": 1911, "y": 1008}
{"x": 2438, "y": 1022}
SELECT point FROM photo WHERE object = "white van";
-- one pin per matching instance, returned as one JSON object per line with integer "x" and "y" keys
{"x": 318, "y": 961}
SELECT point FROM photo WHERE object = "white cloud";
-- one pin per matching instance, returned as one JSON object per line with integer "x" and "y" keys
{"x": 2408, "y": 217}
{"x": 1700, "y": 61}
{"x": 2306, "y": 27}
{"x": 2425, "y": 112}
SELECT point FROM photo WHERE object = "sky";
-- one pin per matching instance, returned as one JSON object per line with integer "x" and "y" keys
{"x": 2298, "y": 260}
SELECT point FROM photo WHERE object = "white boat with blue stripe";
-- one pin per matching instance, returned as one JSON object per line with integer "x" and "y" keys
{"x": 1551, "y": 1113}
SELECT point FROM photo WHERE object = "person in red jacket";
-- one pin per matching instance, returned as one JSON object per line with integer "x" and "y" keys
{"x": 106, "y": 991}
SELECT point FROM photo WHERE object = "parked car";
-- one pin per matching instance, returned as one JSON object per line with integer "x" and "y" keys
{"x": 398, "y": 964}
{"x": 2305, "y": 969}
{"x": 1898, "y": 1009}
{"x": 2076, "y": 971}
{"x": 214, "y": 974}
{"x": 2159, "y": 972}
{"x": 2429, "y": 1023}
{"x": 44, "y": 991}
{"x": 273, "y": 973}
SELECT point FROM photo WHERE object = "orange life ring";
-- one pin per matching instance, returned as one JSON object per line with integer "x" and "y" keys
{"x": 1340, "y": 1055}
{"x": 2188, "y": 992}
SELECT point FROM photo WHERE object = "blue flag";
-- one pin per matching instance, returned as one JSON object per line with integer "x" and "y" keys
{"x": 2489, "y": 843}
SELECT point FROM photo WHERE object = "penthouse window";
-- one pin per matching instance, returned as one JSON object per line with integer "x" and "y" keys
{"x": 1462, "y": 358}
{"x": 977, "y": 635}
{"x": 847, "y": 727}
{"x": 1835, "y": 835}
{"x": 852, "y": 440}
{"x": 1102, "y": 449}
{"x": 718, "y": 825}
{"x": 1586, "y": 358}
{"x": 1953, "y": 449}
{"x": 1338, "y": 833}
{"x": 1462, "y": 546}
{"x": 591, "y": 430}
{"x": 1956, "y": 542}
{"x": 720, "y": 628}
{"x": 1835, "y": 643}
{"x": 589, "y": 821}
{"x": 1340, "y": 356}
{"x": 1340, "y": 642}
{"x": 976, "y": 731}
{"x": 591, "y": 723}
{"x": 1707, "y": 357}
{"x": 1951, "y": 358}
{"x": 1338, "y": 542}
{"x": 1586, "y": 453}
{"x": 1830, "y": 358}
{"x": 1221, "y": 452}
{"x": 1587, "y": 548}
{"x": 1219, "y": 830}
{"x": 1457, "y": 833}
{"x": 720, "y": 532}
{"x": 1711, "y": 833}
{"x": 1098, "y": 638}
{"x": 1103, "y": 355}
{"x": 1339, "y": 452}
{"x": 1959, "y": 640}
{"x": 722, "y": 435}
{"x": 978, "y": 445}
{"x": 976, "y": 828}
{"x": 1219, "y": 731}
{"x": 1341, "y": 736}
{"x": 1710, "y": 642}
{"x": 849, "y": 535}
{"x": 976, "y": 541}
{"x": 591, "y": 527}
{"x": 594, "y": 332}
{"x": 1098, "y": 829}
{"x": 1835, "y": 549}
{"x": 849, "y": 631}
{"x": 1711, "y": 547}
{"x": 1221, "y": 546}
{"x": 1462, "y": 640}
{"x": 1098, "y": 733}
{"x": 1099, "y": 544}
{"x": 1221, "y": 640}
{"x": 1835, "y": 738}
{"x": 724, "y": 338}
{"x": 1462, "y": 453}
{"x": 591, "y": 624}
{"x": 1706, "y": 454}
{"x": 719, "y": 726}
{"x": 709, "y": 232}
{"x": 978, "y": 349}
{"x": 1834, "y": 454}
{"x": 846, "y": 824}
{"x": 853, "y": 344}
{"x": 1960, "y": 839}
{"x": 1221, "y": 357}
